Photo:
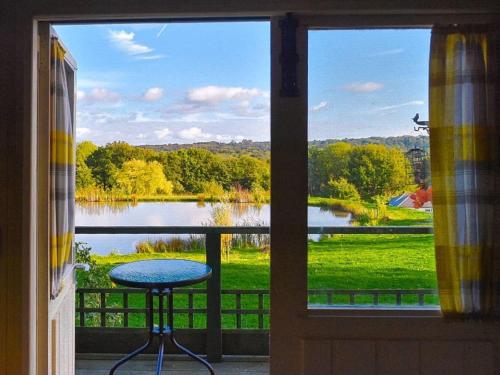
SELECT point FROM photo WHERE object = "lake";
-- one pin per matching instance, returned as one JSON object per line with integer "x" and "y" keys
{"x": 175, "y": 214}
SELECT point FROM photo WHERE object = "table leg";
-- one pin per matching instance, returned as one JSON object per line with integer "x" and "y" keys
{"x": 161, "y": 331}
{"x": 174, "y": 341}
{"x": 159, "y": 364}
{"x": 139, "y": 350}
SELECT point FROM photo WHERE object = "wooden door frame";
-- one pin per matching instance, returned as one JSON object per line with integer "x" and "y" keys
{"x": 288, "y": 132}
{"x": 293, "y": 324}
{"x": 45, "y": 307}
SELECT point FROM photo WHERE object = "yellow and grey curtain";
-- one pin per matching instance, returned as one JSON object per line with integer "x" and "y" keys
{"x": 62, "y": 171}
{"x": 465, "y": 155}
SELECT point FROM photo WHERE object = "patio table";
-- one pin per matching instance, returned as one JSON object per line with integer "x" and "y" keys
{"x": 159, "y": 277}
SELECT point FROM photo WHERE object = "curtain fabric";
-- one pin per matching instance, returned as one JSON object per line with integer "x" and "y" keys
{"x": 465, "y": 156}
{"x": 62, "y": 171}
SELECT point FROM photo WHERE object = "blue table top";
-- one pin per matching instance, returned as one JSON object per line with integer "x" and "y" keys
{"x": 160, "y": 273}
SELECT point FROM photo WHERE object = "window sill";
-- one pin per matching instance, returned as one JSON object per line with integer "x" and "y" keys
{"x": 373, "y": 311}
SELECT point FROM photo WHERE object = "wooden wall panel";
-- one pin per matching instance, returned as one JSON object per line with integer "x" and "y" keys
{"x": 479, "y": 358}
{"x": 442, "y": 357}
{"x": 318, "y": 357}
{"x": 353, "y": 357}
{"x": 62, "y": 335}
{"x": 398, "y": 357}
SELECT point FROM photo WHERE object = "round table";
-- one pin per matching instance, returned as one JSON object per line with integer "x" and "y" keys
{"x": 159, "y": 277}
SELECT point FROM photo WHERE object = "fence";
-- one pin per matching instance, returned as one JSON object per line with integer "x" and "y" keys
{"x": 121, "y": 335}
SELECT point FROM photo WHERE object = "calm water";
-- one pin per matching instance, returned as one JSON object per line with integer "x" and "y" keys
{"x": 174, "y": 213}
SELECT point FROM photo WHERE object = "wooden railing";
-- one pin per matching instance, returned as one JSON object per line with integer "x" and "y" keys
{"x": 213, "y": 309}
{"x": 103, "y": 308}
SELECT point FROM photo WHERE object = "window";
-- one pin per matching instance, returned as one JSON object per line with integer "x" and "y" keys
{"x": 370, "y": 194}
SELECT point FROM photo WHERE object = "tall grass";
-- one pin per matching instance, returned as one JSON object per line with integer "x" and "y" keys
{"x": 97, "y": 194}
{"x": 221, "y": 216}
{"x": 175, "y": 244}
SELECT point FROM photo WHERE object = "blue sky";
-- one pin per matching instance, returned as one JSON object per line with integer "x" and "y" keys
{"x": 184, "y": 83}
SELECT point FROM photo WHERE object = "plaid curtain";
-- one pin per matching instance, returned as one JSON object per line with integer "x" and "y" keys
{"x": 62, "y": 171}
{"x": 465, "y": 156}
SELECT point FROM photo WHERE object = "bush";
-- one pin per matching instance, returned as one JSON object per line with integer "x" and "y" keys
{"x": 171, "y": 245}
{"x": 238, "y": 194}
{"x": 144, "y": 247}
{"x": 342, "y": 189}
{"x": 259, "y": 195}
{"x": 211, "y": 190}
{"x": 95, "y": 277}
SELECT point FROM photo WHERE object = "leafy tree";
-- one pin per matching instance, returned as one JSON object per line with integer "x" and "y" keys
{"x": 378, "y": 170}
{"x": 196, "y": 166}
{"x": 84, "y": 176}
{"x": 119, "y": 152}
{"x": 248, "y": 172}
{"x": 143, "y": 178}
{"x": 84, "y": 150}
{"x": 330, "y": 162}
{"x": 342, "y": 189}
{"x": 103, "y": 169}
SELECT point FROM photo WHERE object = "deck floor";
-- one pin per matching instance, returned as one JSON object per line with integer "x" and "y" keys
{"x": 147, "y": 366}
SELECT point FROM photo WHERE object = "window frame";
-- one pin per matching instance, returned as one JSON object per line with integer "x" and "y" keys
{"x": 360, "y": 22}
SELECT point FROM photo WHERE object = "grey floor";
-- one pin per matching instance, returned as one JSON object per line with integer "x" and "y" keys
{"x": 172, "y": 366}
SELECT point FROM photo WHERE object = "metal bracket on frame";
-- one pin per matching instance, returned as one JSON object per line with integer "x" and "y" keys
{"x": 288, "y": 57}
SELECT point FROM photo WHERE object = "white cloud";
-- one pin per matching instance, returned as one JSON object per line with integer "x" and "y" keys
{"x": 80, "y": 132}
{"x": 153, "y": 94}
{"x": 319, "y": 107}
{"x": 140, "y": 117}
{"x": 125, "y": 41}
{"x": 162, "y": 133}
{"x": 364, "y": 86}
{"x": 215, "y": 94}
{"x": 149, "y": 57}
{"x": 193, "y": 133}
{"x": 86, "y": 83}
{"x": 395, "y": 106}
{"x": 80, "y": 95}
{"x": 228, "y": 138}
{"x": 98, "y": 94}
{"x": 395, "y": 51}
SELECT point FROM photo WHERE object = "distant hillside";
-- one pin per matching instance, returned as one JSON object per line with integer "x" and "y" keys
{"x": 247, "y": 147}
{"x": 261, "y": 149}
{"x": 404, "y": 142}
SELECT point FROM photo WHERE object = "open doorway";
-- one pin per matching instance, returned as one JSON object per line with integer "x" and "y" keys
{"x": 172, "y": 139}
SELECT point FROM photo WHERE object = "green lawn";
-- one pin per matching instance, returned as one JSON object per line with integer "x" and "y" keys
{"x": 336, "y": 262}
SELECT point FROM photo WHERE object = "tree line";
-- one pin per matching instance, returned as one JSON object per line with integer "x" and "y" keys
{"x": 341, "y": 170}
{"x": 127, "y": 169}
{"x": 262, "y": 149}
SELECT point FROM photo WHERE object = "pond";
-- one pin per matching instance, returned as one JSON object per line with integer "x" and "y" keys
{"x": 175, "y": 214}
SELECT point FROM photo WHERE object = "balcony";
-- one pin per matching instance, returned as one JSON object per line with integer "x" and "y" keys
{"x": 219, "y": 322}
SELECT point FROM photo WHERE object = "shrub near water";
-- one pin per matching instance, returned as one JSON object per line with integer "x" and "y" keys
{"x": 170, "y": 245}
{"x": 211, "y": 191}
{"x": 144, "y": 247}
{"x": 342, "y": 189}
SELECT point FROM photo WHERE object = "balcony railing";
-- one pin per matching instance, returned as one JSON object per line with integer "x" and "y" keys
{"x": 112, "y": 324}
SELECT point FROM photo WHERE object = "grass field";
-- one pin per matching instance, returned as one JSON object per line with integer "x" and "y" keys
{"x": 334, "y": 262}
{"x": 337, "y": 262}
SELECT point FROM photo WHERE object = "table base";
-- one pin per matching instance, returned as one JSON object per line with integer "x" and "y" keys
{"x": 163, "y": 332}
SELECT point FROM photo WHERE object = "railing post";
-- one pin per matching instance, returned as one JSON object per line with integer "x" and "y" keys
{"x": 214, "y": 326}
